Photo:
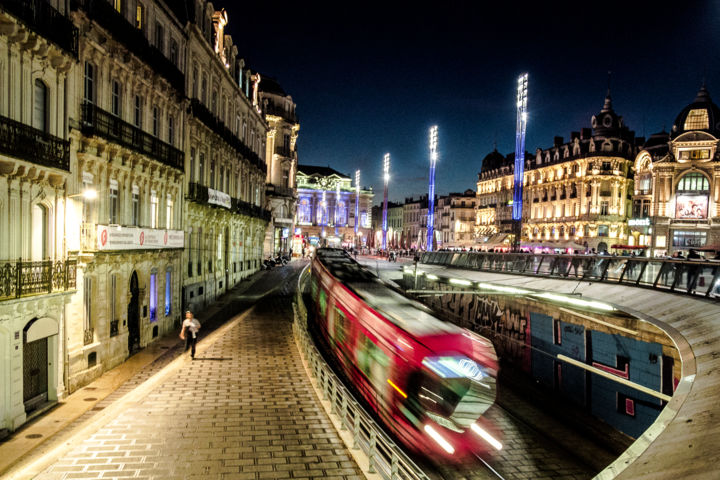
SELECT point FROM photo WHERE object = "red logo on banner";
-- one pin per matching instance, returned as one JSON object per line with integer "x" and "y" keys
{"x": 103, "y": 237}
{"x": 166, "y": 236}
{"x": 142, "y": 238}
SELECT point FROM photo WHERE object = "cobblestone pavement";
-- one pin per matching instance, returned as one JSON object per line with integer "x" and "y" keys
{"x": 243, "y": 409}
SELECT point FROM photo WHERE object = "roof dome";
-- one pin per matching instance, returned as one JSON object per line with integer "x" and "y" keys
{"x": 702, "y": 115}
{"x": 492, "y": 161}
{"x": 607, "y": 122}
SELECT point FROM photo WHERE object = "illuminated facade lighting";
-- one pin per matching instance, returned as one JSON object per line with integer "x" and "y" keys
{"x": 522, "y": 88}
{"x": 357, "y": 201}
{"x": 578, "y": 302}
{"x": 457, "y": 281}
{"x": 431, "y": 188}
{"x": 386, "y": 176}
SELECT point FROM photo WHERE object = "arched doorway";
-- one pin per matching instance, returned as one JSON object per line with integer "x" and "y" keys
{"x": 35, "y": 361}
{"x": 133, "y": 316}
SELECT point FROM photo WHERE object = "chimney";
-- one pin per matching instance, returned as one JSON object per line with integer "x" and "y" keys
{"x": 586, "y": 134}
{"x": 574, "y": 135}
{"x": 558, "y": 141}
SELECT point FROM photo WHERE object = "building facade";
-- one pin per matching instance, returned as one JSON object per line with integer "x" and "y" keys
{"x": 225, "y": 170}
{"x": 326, "y": 208}
{"x": 412, "y": 211}
{"x": 457, "y": 220}
{"x": 281, "y": 154}
{"x": 125, "y": 119}
{"x": 37, "y": 275}
{"x": 677, "y": 180}
{"x": 576, "y": 194}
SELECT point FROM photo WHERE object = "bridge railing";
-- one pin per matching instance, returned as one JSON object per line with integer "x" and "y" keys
{"x": 692, "y": 277}
{"x": 384, "y": 456}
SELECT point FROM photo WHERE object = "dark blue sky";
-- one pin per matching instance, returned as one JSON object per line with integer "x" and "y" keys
{"x": 372, "y": 77}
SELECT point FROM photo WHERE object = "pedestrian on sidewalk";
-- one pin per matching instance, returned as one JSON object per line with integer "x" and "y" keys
{"x": 189, "y": 332}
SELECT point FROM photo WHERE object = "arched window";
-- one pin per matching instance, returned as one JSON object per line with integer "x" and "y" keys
{"x": 40, "y": 114}
{"x": 693, "y": 182}
{"x": 691, "y": 197}
{"x": 39, "y": 249}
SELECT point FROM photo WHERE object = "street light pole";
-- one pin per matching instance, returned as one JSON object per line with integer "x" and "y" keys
{"x": 386, "y": 171}
{"x": 431, "y": 190}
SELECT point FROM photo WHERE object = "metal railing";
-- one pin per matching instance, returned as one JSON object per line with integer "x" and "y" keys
{"x": 96, "y": 121}
{"x": 279, "y": 190}
{"x": 44, "y": 20}
{"x": 20, "y": 278}
{"x": 33, "y": 145}
{"x": 272, "y": 109}
{"x": 384, "y": 456}
{"x": 198, "y": 193}
{"x": 692, "y": 277}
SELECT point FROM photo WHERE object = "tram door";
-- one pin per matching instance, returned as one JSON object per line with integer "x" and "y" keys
{"x": 374, "y": 363}
{"x": 35, "y": 373}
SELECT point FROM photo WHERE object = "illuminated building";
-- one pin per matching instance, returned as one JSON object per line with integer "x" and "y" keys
{"x": 225, "y": 170}
{"x": 455, "y": 220}
{"x": 321, "y": 210}
{"x": 283, "y": 128}
{"x": 576, "y": 194}
{"x": 677, "y": 182}
{"x": 36, "y": 197}
{"x": 413, "y": 223}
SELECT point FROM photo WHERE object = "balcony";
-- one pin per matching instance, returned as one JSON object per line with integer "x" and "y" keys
{"x": 279, "y": 191}
{"x": 47, "y": 22}
{"x": 96, "y": 121}
{"x": 102, "y": 12}
{"x": 199, "y": 194}
{"x": 283, "y": 151}
{"x": 202, "y": 113}
{"x": 33, "y": 145}
{"x": 272, "y": 109}
{"x": 20, "y": 278}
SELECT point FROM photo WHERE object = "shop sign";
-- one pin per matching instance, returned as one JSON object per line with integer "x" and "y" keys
{"x": 118, "y": 238}
{"x": 639, "y": 222}
{"x": 216, "y": 197}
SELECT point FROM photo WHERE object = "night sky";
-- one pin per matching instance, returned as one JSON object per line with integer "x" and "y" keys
{"x": 370, "y": 78}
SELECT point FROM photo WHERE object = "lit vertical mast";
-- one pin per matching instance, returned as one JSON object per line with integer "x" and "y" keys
{"x": 386, "y": 171}
{"x": 431, "y": 190}
{"x": 323, "y": 212}
{"x": 337, "y": 206}
{"x": 522, "y": 87}
{"x": 357, "y": 201}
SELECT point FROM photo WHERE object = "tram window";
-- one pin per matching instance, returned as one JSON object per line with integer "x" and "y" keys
{"x": 340, "y": 326}
{"x": 441, "y": 397}
{"x": 322, "y": 301}
{"x": 314, "y": 288}
{"x": 372, "y": 361}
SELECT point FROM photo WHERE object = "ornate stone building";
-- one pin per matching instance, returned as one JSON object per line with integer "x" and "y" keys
{"x": 126, "y": 116}
{"x": 677, "y": 180}
{"x": 455, "y": 220}
{"x": 326, "y": 208}
{"x": 38, "y": 48}
{"x": 412, "y": 222}
{"x": 576, "y": 194}
{"x": 225, "y": 171}
{"x": 281, "y": 154}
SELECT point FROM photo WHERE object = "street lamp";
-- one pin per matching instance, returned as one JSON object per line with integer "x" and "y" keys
{"x": 87, "y": 194}
{"x": 431, "y": 189}
{"x": 386, "y": 171}
{"x": 357, "y": 203}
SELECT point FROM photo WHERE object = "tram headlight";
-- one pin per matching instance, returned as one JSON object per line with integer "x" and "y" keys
{"x": 486, "y": 436}
{"x": 439, "y": 439}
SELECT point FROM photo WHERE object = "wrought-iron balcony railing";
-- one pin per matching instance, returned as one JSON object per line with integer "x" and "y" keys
{"x": 202, "y": 113}
{"x": 96, "y": 121}
{"x": 47, "y": 22}
{"x": 277, "y": 190}
{"x": 102, "y": 12}
{"x": 693, "y": 277}
{"x": 19, "y": 278}
{"x": 272, "y": 109}
{"x": 33, "y": 145}
{"x": 199, "y": 193}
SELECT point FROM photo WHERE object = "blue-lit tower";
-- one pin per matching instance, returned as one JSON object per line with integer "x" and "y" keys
{"x": 522, "y": 87}
{"x": 386, "y": 172}
{"x": 357, "y": 201}
{"x": 431, "y": 188}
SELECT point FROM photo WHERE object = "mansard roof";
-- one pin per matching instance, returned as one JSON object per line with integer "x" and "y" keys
{"x": 310, "y": 170}
{"x": 702, "y": 109}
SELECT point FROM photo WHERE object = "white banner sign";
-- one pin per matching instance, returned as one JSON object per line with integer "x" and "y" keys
{"x": 133, "y": 238}
{"x": 216, "y": 197}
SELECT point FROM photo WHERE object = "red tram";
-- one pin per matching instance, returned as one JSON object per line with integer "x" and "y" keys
{"x": 429, "y": 381}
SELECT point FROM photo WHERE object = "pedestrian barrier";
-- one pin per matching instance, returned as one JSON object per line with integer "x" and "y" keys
{"x": 385, "y": 458}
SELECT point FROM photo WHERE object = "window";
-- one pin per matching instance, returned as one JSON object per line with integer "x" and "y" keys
{"x": 603, "y": 230}
{"x": 171, "y": 130}
{"x": 160, "y": 37}
{"x": 40, "y": 115}
{"x": 114, "y": 204}
{"x": 693, "y": 182}
{"x": 116, "y": 104}
{"x": 203, "y": 89}
{"x": 113, "y": 288}
{"x": 222, "y": 179}
{"x": 168, "y": 212}
{"x": 168, "y": 293}
{"x": 140, "y": 16}
{"x": 372, "y": 361}
{"x": 213, "y": 104}
{"x": 39, "y": 229}
{"x": 339, "y": 332}
{"x": 212, "y": 174}
{"x": 286, "y": 177}
{"x": 201, "y": 169}
{"x": 87, "y": 304}
{"x": 153, "y": 209}
{"x": 604, "y": 208}
{"x": 192, "y": 164}
{"x": 195, "y": 81}
{"x": 286, "y": 142}
{"x": 135, "y": 205}
{"x": 174, "y": 52}
{"x": 156, "y": 121}
{"x": 138, "y": 112}
{"x": 697, "y": 119}
{"x": 89, "y": 83}
{"x": 117, "y": 5}
{"x": 689, "y": 239}
{"x": 153, "y": 297}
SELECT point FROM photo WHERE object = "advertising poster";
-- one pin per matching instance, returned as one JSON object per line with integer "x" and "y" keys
{"x": 691, "y": 206}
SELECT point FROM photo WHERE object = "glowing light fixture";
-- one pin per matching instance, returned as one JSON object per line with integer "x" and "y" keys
{"x": 522, "y": 88}
{"x": 386, "y": 172}
{"x": 404, "y": 395}
{"x": 431, "y": 188}
{"x": 504, "y": 289}
{"x": 90, "y": 194}
{"x": 430, "y": 276}
{"x": 357, "y": 200}
{"x": 439, "y": 439}
{"x": 457, "y": 281}
{"x": 486, "y": 436}
{"x": 578, "y": 302}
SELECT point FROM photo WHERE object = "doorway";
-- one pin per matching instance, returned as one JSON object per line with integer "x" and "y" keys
{"x": 35, "y": 371}
{"x": 134, "y": 316}
{"x": 226, "y": 263}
